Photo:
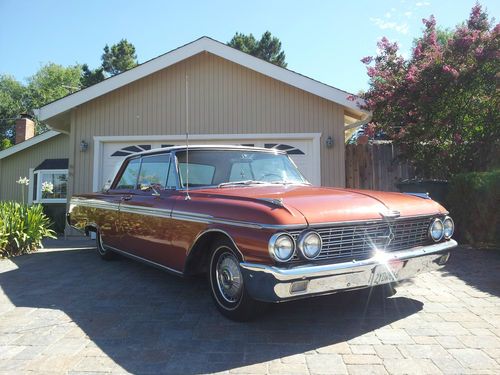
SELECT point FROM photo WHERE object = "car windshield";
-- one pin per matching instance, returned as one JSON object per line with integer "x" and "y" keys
{"x": 236, "y": 167}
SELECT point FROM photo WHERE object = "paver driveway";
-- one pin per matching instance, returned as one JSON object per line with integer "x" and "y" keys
{"x": 66, "y": 311}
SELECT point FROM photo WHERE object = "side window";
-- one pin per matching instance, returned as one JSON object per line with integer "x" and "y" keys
{"x": 154, "y": 170}
{"x": 128, "y": 179}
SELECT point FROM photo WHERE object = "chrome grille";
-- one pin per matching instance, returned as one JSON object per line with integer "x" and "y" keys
{"x": 358, "y": 241}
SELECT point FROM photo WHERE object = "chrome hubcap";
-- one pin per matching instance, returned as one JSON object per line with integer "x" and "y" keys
{"x": 228, "y": 276}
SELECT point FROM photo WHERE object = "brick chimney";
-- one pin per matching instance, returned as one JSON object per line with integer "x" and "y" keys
{"x": 25, "y": 128}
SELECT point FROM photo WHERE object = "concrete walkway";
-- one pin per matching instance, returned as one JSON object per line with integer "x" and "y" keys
{"x": 63, "y": 310}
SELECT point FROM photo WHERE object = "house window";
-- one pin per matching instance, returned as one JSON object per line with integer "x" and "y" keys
{"x": 58, "y": 179}
{"x": 53, "y": 174}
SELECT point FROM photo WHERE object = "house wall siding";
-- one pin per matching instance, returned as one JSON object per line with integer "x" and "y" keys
{"x": 224, "y": 98}
{"x": 17, "y": 165}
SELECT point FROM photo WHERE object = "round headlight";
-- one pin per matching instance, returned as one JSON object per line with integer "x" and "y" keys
{"x": 309, "y": 245}
{"x": 449, "y": 227}
{"x": 436, "y": 230}
{"x": 281, "y": 247}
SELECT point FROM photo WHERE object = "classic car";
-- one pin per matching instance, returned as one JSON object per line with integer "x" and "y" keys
{"x": 249, "y": 220}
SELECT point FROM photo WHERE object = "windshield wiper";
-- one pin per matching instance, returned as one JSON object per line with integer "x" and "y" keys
{"x": 289, "y": 183}
{"x": 244, "y": 182}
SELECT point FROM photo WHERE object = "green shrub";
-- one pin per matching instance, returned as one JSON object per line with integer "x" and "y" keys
{"x": 474, "y": 201}
{"x": 22, "y": 228}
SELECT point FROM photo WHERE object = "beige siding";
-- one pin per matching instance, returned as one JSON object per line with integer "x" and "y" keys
{"x": 18, "y": 164}
{"x": 224, "y": 98}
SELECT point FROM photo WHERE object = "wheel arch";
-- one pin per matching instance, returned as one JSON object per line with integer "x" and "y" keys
{"x": 91, "y": 227}
{"x": 199, "y": 256}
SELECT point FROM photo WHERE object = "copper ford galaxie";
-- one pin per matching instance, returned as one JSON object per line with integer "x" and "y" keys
{"x": 248, "y": 219}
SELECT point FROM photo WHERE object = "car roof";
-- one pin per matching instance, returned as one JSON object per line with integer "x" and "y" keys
{"x": 206, "y": 147}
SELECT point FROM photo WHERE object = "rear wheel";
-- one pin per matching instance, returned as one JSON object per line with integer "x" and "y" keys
{"x": 101, "y": 249}
{"x": 227, "y": 286}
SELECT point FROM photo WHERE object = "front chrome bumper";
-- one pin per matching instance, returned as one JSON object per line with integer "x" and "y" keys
{"x": 275, "y": 284}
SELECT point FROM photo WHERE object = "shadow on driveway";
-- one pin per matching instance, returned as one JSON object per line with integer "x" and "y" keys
{"x": 476, "y": 268}
{"x": 149, "y": 321}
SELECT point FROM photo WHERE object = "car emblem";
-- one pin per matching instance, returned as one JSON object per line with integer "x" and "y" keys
{"x": 389, "y": 236}
{"x": 383, "y": 241}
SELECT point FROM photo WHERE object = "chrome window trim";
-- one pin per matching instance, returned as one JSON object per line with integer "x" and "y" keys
{"x": 194, "y": 148}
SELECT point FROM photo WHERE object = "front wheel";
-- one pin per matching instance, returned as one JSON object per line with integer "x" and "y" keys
{"x": 227, "y": 286}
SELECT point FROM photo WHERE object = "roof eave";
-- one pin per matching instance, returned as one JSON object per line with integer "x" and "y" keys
{"x": 200, "y": 45}
{"x": 30, "y": 142}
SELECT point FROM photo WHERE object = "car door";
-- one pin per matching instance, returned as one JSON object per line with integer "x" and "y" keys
{"x": 145, "y": 214}
{"x": 109, "y": 226}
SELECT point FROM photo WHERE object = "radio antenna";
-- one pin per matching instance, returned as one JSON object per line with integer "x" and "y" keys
{"x": 187, "y": 140}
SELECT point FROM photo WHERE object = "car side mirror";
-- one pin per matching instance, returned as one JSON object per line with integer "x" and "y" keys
{"x": 106, "y": 186}
{"x": 148, "y": 187}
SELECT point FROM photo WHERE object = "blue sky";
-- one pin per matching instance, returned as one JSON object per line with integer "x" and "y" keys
{"x": 322, "y": 39}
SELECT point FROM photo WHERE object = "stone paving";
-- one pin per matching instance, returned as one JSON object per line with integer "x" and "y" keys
{"x": 63, "y": 310}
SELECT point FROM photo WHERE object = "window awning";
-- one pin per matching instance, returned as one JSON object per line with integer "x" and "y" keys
{"x": 51, "y": 164}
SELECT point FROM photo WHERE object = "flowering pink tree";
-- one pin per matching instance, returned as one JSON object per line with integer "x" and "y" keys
{"x": 441, "y": 106}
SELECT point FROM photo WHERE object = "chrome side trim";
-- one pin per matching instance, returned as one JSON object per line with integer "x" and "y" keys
{"x": 209, "y": 219}
{"x": 144, "y": 260}
{"x": 94, "y": 203}
{"x": 148, "y": 211}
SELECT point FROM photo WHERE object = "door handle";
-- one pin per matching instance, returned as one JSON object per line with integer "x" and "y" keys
{"x": 126, "y": 197}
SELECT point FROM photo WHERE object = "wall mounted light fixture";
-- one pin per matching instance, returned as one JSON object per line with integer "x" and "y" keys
{"x": 84, "y": 146}
{"x": 329, "y": 142}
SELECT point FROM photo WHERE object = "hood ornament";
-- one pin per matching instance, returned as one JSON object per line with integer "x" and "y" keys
{"x": 275, "y": 201}
{"x": 390, "y": 214}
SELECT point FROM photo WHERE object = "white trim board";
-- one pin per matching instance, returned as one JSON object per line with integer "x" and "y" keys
{"x": 100, "y": 140}
{"x": 30, "y": 142}
{"x": 200, "y": 45}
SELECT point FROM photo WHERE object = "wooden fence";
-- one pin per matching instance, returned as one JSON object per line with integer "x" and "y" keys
{"x": 375, "y": 166}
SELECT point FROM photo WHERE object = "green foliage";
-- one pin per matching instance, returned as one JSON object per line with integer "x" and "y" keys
{"x": 119, "y": 57}
{"x": 91, "y": 77}
{"x": 441, "y": 106}
{"x": 473, "y": 200}
{"x": 22, "y": 228}
{"x": 5, "y": 144}
{"x": 12, "y": 102}
{"x": 267, "y": 48}
{"x": 52, "y": 82}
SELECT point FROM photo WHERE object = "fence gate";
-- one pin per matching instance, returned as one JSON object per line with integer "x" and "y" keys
{"x": 375, "y": 166}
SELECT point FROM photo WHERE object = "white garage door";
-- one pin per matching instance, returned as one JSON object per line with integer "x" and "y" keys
{"x": 109, "y": 153}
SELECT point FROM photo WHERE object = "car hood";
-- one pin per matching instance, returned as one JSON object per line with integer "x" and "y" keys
{"x": 322, "y": 204}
